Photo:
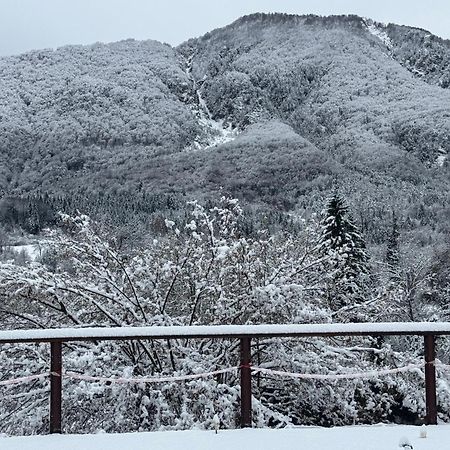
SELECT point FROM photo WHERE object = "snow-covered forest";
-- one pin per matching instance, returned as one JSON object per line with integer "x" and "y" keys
{"x": 283, "y": 169}
{"x": 206, "y": 270}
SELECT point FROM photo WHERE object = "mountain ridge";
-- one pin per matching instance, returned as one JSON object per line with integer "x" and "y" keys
{"x": 143, "y": 117}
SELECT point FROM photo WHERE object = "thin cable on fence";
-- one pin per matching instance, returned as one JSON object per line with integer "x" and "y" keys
{"x": 123, "y": 380}
{"x": 314, "y": 376}
{"x": 370, "y": 374}
{"x": 340, "y": 376}
{"x": 23, "y": 379}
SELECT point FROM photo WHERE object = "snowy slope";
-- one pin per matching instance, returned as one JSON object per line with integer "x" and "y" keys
{"x": 378, "y": 30}
{"x": 343, "y": 438}
{"x": 32, "y": 251}
{"x": 215, "y": 131}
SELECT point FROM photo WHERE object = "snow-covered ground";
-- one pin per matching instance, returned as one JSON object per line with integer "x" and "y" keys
{"x": 31, "y": 246}
{"x": 32, "y": 251}
{"x": 377, "y": 437}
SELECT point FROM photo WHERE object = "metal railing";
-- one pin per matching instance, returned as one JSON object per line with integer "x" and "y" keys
{"x": 245, "y": 333}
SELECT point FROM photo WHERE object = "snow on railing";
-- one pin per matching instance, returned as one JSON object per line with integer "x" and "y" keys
{"x": 340, "y": 376}
{"x": 21, "y": 380}
{"x": 196, "y": 376}
{"x": 123, "y": 380}
{"x": 56, "y": 337}
{"x": 223, "y": 331}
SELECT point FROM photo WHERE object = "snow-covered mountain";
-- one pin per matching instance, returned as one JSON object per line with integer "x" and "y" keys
{"x": 273, "y": 108}
{"x": 279, "y": 111}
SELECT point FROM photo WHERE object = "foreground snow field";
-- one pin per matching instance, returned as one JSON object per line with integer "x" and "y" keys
{"x": 309, "y": 438}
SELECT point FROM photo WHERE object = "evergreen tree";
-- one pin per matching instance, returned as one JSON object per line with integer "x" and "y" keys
{"x": 346, "y": 260}
{"x": 32, "y": 222}
{"x": 392, "y": 251}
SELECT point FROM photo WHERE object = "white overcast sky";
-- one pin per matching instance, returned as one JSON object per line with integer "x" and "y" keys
{"x": 34, "y": 24}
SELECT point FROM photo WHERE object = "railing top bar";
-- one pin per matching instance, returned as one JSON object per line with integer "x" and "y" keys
{"x": 226, "y": 331}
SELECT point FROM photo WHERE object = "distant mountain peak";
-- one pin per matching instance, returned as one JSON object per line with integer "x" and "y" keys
{"x": 249, "y": 100}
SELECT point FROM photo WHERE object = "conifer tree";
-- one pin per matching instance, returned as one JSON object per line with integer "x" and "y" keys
{"x": 392, "y": 251}
{"x": 346, "y": 260}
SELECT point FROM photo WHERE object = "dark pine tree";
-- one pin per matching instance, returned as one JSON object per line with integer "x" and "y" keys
{"x": 392, "y": 251}
{"x": 346, "y": 260}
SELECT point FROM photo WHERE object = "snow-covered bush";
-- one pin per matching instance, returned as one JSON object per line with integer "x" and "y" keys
{"x": 204, "y": 271}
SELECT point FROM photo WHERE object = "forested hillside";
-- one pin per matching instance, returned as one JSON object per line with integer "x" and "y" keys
{"x": 283, "y": 169}
{"x": 81, "y": 110}
{"x": 293, "y": 106}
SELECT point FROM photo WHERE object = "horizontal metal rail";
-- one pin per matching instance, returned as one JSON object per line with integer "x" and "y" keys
{"x": 226, "y": 331}
{"x": 245, "y": 333}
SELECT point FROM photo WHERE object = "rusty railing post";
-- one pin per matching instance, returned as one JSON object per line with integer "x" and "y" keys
{"x": 430, "y": 380}
{"x": 246, "y": 383}
{"x": 55, "y": 386}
